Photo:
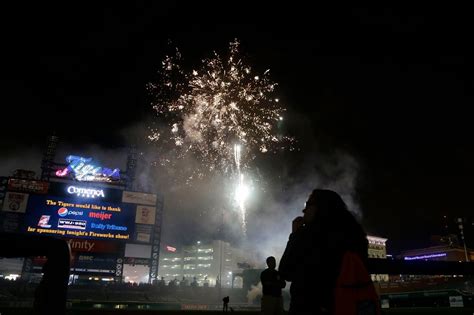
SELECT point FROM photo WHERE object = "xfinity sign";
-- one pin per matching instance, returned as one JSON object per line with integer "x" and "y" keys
{"x": 85, "y": 192}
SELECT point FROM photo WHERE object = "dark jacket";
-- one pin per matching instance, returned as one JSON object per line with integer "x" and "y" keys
{"x": 271, "y": 282}
{"x": 312, "y": 260}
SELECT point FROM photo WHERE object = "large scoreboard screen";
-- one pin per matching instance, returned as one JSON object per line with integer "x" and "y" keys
{"x": 78, "y": 210}
{"x": 71, "y": 217}
{"x": 104, "y": 224}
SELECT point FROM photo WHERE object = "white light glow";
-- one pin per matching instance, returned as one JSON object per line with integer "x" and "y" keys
{"x": 12, "y": 277}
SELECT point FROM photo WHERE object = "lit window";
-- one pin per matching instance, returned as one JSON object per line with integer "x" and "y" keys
{"x": 205, "y": 258}
{"x": 204, "y": 265}
{"x": 206, "y": 250}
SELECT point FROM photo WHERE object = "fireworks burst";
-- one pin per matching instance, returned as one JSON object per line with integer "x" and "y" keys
{"x": 208, "y": 110}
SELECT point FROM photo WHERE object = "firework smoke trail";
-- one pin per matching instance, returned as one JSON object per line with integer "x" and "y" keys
{"x": 241, "y": 190}
{"x": 208, "y": 109}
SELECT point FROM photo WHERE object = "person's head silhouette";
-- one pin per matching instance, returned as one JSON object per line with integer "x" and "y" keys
{"x": 271, "y": 262}
{"x": 323, "y": 204}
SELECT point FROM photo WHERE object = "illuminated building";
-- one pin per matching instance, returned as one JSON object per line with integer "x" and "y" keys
{"x": 171, "y": 265}
{"x": 208, "y": 263}
{"x": 377, "y": 249}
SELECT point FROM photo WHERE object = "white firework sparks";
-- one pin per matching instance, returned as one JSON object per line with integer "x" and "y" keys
{"x": 241, "y": 191}
{"x": 209, "y": 109}
{"x": 213, "y": 107}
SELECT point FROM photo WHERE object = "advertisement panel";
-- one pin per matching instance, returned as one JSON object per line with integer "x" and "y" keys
{"x": 145, "y": 215}
{"x": 10, "y": 221}
{"x": 82, "y": 191}
{"x": 28, "y": 185}
{"x": 79, "y": 218}
{"x": 139, "y": 198}
{"x": 84, "y": 263}
{"x": 136, "y": 261}
{"x": 137, "y": 251}
{"x": 143, "y": 233}
{"x": 93, "y": 263}
{"x": 15, "y": 202}
{"x": 93, "y": 246}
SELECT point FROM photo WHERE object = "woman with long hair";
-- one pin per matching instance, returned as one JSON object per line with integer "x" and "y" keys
{"x": 316, "y": 246}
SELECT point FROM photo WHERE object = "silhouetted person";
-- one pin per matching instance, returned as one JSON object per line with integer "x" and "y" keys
{"x": 161, "y": 283}
{"x": 51, "y": 293}
{"x": 272, "y": 301}
{"x": 172, "y": 284}
{"x": 183, "y": 283}
{"x": 225, "y": 307}
{"x": 194, "y": 284}
{"x": 313, "y": 255}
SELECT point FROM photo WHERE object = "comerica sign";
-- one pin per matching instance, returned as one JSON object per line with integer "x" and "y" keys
{"x": 83, "y": 169}
{"x": 85, "y": 192}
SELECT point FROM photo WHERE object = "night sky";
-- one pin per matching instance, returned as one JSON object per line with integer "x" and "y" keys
{"x": 391, "y": 87}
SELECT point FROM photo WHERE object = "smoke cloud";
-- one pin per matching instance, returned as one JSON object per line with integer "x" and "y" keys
{"x": 272, "y": 216}
{"x": 204, "y": 210}
{"x": 22, "y": 158}
{"x": 254, "y": 293}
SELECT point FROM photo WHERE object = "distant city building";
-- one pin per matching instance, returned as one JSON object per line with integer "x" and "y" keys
{"x": 170, "y": 265}
{"x": 211, "y": 264}
{"x": 377, "y": 249}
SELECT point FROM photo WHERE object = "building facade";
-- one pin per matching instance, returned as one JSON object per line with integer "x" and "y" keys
{"x": 209, "y": 264}
{"x": 377, "y": 249}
